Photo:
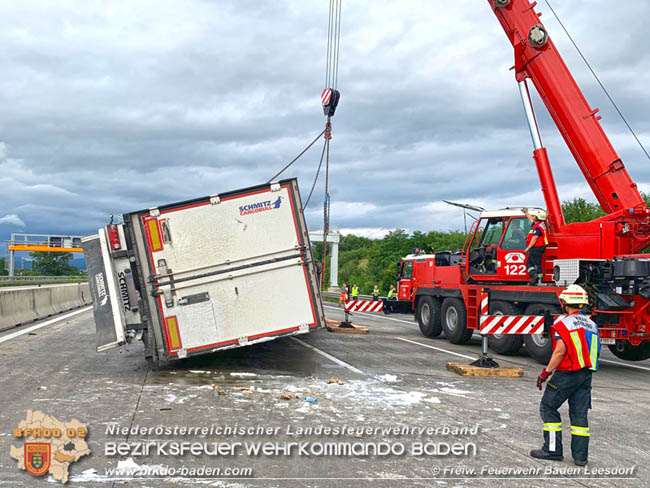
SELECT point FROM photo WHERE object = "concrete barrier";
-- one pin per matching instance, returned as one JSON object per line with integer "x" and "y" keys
{"x": 20, "y": 306}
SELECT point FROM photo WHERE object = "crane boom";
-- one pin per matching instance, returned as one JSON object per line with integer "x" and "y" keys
{"x": 537, "y": 58}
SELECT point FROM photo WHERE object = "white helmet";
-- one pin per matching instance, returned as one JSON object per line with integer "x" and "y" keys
{"x": 539, "y": 213}
{"x": 574, "y": 295}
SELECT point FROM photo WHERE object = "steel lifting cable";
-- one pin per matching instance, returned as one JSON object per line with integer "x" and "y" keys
{"x": 329, "y": 99}
{"x": 598, "y": 80}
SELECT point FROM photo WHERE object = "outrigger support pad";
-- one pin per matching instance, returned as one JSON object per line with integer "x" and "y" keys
{"x": 484, "y": 360}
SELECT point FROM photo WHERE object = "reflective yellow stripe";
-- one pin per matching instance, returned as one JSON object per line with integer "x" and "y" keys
{"x": 583, "y": 434}
{"x": 553, "y": 426}
{"x": 593, "y": 354}
{"x": 575, "y": 337}
{"x": 575, "y": 427}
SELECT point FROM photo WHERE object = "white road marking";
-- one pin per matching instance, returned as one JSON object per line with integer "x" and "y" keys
{"x": 450, "y": 352}
{"x": 623, "y": 364}
{"x": 47, "y": 322}
{"x": 407, "y": 340}
{"x": 436, "y": 348}
{"x": 329, "y": 356}
{"x": 374, "y": 315}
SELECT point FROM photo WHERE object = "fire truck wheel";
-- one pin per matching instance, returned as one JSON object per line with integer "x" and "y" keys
{"x": 504, "y": 343}
{"x": 428, "y": 316}
{"x": 632, "y": 353}
{"x": 454, "y": 321}
{"x": 539, "y": 347}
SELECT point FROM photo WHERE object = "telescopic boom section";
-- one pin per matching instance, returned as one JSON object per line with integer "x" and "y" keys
{"x": 537, "y": 58}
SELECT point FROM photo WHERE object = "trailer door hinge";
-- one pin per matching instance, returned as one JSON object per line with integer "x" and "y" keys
{"x": 275, "y": 186}
{"x": 214, "y": 199}
{"x": 169, "y": 299}
{"x": 154, "y": 212}
{"x": 242, "y": 341}
{"x": 303, "y": 328}
{"x": 181, "y": 353}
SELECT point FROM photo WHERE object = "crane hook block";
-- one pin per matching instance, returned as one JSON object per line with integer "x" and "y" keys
{"x": 330, "y": 99}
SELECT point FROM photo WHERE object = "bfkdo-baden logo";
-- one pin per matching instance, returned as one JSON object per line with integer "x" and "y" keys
{"x": 260, "y": 206}
{"x": 50, "y": 445}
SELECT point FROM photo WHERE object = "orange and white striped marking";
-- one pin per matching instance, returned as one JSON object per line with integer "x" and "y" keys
{"x": 326, "y": 96}
{"x": 510, "y": 324}
{"x": 364, "y": 306}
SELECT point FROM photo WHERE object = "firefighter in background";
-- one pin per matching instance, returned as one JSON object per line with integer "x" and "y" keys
{"x": 355, "y": 292}
{"x": 576, "y": 346}
{"x": 536, "y": 242}
{"x": 375, "y": 293}
{"x": 392, "y": 293}
{"x": 343, "y": 297}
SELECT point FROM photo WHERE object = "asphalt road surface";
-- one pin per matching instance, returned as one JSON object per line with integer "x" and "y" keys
{"x": 389, "y": 384}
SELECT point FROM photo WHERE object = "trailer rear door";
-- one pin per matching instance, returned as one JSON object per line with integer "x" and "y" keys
{"x": 232, "y": 269}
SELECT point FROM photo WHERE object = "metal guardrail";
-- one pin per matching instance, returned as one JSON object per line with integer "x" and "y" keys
{"x": 333, "y": 294}
{"x": 41, "y": 279}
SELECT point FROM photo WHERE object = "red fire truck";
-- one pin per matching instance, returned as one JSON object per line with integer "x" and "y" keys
{"x": 444, "y": 290}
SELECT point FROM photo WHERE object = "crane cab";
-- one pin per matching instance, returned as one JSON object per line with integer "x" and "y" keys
{"x": 495, "y": 249}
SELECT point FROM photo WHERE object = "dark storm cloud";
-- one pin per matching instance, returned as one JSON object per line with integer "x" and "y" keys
{"x": 110, "y": 107}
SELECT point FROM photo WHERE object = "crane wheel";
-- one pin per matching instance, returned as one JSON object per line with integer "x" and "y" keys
{"x": 454, "y": 321}
{"x": 428, "y": 316}
{"x": 632, "y": 353}
{"x": 539, "y": 346}
{"x": 504, "y": 343}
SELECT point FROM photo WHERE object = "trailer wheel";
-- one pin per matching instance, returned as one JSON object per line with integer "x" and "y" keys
{"x": 632, "y": 353}
{"x": 538, "y": 346}
{"x": 428, "y": 316}
{"x": 504, "y": 343}
{"x": 454, "y": 321}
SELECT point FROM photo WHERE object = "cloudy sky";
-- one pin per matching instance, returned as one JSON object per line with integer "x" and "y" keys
{"x": 110, "y": 107}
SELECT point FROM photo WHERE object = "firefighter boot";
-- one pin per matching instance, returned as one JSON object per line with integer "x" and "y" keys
{"x": 542, "y": 454}
{"x": 532, "y": 272}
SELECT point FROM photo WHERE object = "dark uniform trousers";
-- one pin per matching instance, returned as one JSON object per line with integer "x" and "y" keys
{"x": 534, "y": 261}
{"x": 574, "y": 386}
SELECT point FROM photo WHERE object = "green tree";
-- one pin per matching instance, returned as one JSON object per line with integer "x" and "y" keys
{"x": 580, "y": 210}
{"x": 3, "y": 267}
{"x": 52, "y": 263}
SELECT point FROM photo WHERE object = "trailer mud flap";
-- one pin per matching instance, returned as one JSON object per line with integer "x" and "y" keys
{"x": 109, "y": 322}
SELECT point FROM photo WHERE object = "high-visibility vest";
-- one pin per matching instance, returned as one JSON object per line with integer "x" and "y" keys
{"x": 355, "y": 291}
{"x": 390, "y": 293}
{"x": 541, "y": 240}
{"x": 375, "y": 290}
{"x": 580, "y": 336}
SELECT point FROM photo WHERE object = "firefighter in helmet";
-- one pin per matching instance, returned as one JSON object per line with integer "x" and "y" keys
{"x": 576, "y": 346}
{"x": 536, "y": 242}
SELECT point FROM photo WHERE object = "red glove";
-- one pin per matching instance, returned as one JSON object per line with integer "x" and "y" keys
{"x": 543, "y": 376}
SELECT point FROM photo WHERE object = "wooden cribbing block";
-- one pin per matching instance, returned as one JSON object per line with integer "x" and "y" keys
{"x": 469, "y": 370}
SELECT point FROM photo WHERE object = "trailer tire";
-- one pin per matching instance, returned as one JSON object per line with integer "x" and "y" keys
{"x": 539, "y": 347}
{"x": 632, "y": 353}
{"x": 428, "y": 317}
{"x": 454, "y": 321}
{"x": 504, "y": 343}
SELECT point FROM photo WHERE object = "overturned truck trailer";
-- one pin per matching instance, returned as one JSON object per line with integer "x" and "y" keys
{"x": 205, "y": 275}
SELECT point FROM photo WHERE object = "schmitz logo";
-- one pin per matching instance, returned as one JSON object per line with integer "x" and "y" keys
{"x": 260, "y": 206}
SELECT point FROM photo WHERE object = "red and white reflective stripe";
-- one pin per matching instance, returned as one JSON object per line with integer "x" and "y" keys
{"x": 511, "y": 324}
{"x": 364, "y": 306}
{"x": 484, "y": 303}
{"x": 326, "y": 96}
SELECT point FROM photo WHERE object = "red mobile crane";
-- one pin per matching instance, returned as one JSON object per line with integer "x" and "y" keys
{"x": 444, "y": 289}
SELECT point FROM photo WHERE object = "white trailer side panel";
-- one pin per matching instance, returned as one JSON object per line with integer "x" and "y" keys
{"x": 231, "y": 270}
